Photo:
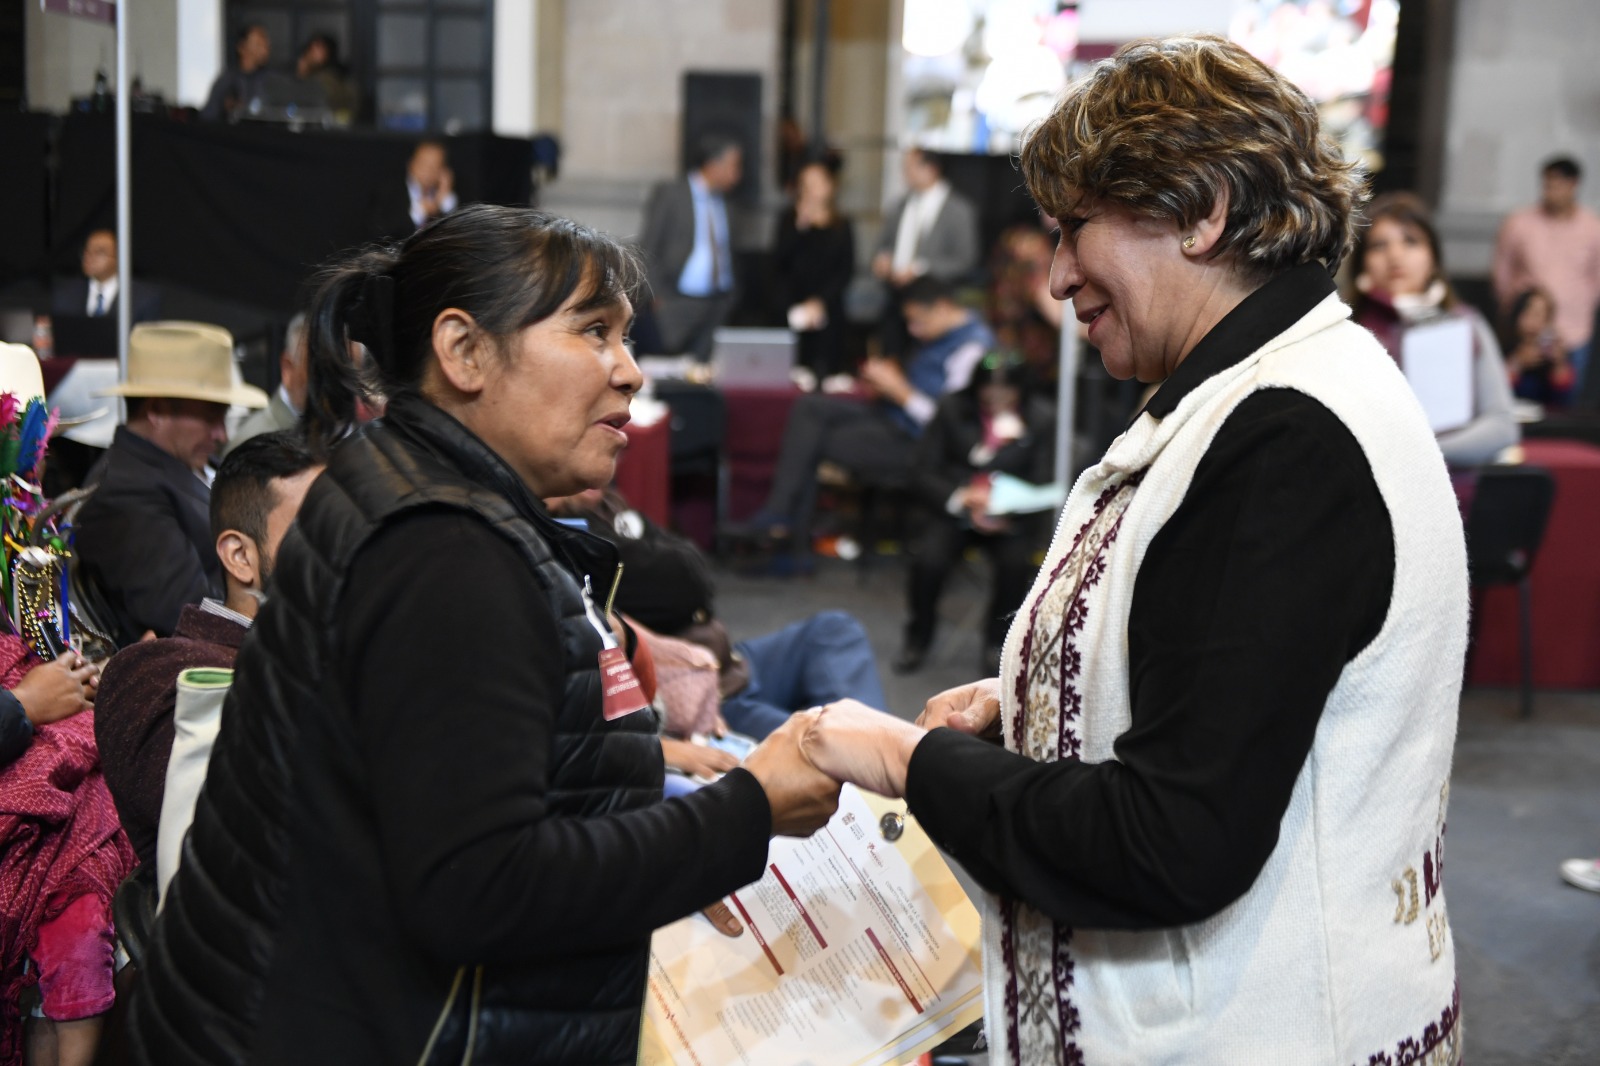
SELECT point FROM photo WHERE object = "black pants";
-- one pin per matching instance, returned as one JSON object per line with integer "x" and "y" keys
{"x": 894, "y": 339}
{"x": 937, "y": 547}
{"x": 822, "y": 350}
{"x": 860, "y": 437}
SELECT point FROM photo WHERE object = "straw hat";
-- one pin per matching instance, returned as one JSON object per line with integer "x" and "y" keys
{"x": 184, "y": 361}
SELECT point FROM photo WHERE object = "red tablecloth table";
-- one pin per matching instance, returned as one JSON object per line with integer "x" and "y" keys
{"x": 644, "y": 470}
{"x": 53, "y": 370}
{"x": 756, "y": 420}
{"x": 1565, "y": 583}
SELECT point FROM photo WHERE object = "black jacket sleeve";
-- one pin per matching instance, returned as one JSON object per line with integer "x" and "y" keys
{"x": 939, "y": 464}
{"x": 16, "y": 732}
{"x": 839, "y": 265}
{"x": 1273, "y": 573}
{"x": 455, "y": 672}
{"x": 942, "y": 461}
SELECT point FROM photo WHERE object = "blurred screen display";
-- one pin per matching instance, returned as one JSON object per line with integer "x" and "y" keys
{"x": 978, "y": 73}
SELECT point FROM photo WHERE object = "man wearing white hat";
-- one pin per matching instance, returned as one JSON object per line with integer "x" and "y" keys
{"x": 144, "y": 537}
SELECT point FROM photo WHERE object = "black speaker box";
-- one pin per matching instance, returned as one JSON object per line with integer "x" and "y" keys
{"x": 727, "y": 104}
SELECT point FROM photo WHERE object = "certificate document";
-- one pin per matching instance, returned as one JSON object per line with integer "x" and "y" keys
{"x": 857, "y": 950}
{"x": 1437, "y": 360}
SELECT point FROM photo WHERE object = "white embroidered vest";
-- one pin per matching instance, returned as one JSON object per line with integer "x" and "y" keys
{"x": 1340, "y": 953}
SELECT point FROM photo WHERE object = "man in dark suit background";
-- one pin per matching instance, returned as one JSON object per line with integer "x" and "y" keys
{"x": 688, "y": 249}
{"x": 246, "y": 83}
{"x": 95, "y": 293}
{"x": 400, "y": 208}
{"x": 932, "y": 231}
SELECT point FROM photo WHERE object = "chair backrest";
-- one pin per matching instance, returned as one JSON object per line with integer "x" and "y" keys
{"x": 699, "y": 417}
{"x": 1506, "y": 522}
{"x": 133, "y": 909}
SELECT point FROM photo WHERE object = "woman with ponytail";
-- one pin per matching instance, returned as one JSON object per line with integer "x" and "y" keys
{"x": 432, "y": 830}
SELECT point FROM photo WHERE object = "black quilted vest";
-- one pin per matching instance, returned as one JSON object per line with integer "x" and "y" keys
{"x": 251, "y": 913}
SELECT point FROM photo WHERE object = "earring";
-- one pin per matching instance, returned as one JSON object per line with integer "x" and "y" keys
{"x": 1188, "y": 243}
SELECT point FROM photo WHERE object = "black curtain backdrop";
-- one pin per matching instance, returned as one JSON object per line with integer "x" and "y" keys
{"x": 243, "y": 212}
{"x": 24, "y": 196}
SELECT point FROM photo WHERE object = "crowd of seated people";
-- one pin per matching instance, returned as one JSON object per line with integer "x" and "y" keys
{"x": 873, "y": 433}
{"x": 84, "y": 770}
{"x": 760, "y": 680}
{"x": 254, "y": 498}
{"x": 247, "y": 85}
{"x": 171, "y": 556}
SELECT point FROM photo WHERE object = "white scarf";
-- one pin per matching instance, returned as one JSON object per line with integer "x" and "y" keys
{"x": 1039, "y": 1016}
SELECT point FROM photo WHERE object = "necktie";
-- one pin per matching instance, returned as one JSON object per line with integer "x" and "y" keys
{"x": 716, "y": 253}
{"x": 99, "y": 304}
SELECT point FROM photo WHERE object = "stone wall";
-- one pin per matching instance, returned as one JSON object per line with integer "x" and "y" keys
{"x": 621, "y": 106}
{"x": 1524, "y": 85}
{"x": 64, "y": 52}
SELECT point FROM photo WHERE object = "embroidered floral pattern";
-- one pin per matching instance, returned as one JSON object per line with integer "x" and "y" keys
{"x": 1439, "y": 1045}
{"x": 1042, "y": 1020}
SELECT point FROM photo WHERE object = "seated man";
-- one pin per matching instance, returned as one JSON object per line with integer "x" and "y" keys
{"x": 243, "y": 85}
{"x": 144, "y": 538}
{"x": 94, "y": 294}
{"x": 668, "y": 588}
{"x": 398, "y": 209}
{"x": 283, "y": 410}
{"x": 996, "y": 425}
{"x": 254, "y": 499}
{"x": 319, "y": 65}
{"x": 876, "y": 439}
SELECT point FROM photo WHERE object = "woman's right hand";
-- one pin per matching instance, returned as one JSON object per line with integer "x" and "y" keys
{"x": 697, "y": 760}
{"x": 973, "y": 709}
{"x": 802, "y": 797}
{"x": 57, "y": 689}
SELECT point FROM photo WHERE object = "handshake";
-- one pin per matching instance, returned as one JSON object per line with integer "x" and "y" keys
{"x": 804, "y": 763}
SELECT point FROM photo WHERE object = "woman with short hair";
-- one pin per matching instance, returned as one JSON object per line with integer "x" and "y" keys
{"x": 1213, "y": 825}
{"x": 432, "y": 830}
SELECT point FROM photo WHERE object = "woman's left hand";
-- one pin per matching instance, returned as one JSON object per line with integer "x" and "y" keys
{"x": 871, "y": 749}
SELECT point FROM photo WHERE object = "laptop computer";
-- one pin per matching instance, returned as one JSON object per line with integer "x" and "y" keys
{"x": 752, "y": 358}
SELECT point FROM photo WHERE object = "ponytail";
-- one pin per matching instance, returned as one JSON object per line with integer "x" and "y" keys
{"x": 507, "y": 267}
{"x": 342, "y": 311}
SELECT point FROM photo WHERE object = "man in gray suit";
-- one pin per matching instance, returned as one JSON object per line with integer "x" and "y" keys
{"x": 932, "y": 230}
{"x": 688, "y": 250}
{"x": 283, "y": 410}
